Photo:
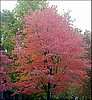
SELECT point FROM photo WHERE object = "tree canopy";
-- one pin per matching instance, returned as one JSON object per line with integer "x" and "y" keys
{"x": 50, "y": 55}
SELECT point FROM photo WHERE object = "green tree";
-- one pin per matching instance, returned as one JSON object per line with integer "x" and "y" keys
{"x": 7, "y": 31}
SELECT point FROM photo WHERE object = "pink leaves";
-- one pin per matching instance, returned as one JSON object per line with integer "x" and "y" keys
{"x": 50, "y": 52}
{"x": 5, "y": 81}
{"x": 4, "y": 58}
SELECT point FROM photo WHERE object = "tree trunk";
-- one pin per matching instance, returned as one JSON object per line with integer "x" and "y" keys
{"x": 48, "y": 92}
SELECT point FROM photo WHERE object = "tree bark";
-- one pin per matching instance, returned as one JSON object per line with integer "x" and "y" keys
{"x": 48, "y": 92}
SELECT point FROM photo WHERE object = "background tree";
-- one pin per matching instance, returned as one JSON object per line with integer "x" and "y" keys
{"x": 12, "y": 21}
{"x": 85, "y": 91}
{"x": 49, "y": 54}
{"x": 7, "y": 32}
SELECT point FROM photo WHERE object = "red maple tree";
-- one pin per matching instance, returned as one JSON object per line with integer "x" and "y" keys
{"x": 50, "y": 55}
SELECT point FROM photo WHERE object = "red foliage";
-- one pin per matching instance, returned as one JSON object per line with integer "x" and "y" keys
{"x": 51, "y": 51}
{"x": 5, "y": 81}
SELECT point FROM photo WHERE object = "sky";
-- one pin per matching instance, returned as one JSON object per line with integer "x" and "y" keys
{"x": 80, "y": 10}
